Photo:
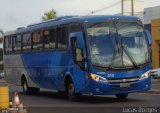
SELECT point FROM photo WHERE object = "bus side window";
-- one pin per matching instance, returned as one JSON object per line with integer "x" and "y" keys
{"x": 17, "y": 43}
{"x": 13, "y": 43}
{"x": 46, "y": 39}
{"x": 77, "y": 27}
{"x": 38, "y": 40}
{"x": 27, "y": 39}
{"x": 73, "y": 45}
{"x": 10, "y": 44}
{"x": 52, "y": 39}
{"x": 62, "y": 36}
{"x": 77, "y": 53}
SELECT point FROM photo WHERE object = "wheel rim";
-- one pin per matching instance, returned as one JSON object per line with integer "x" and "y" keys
{"x": 25, "y": 87}
{"x": 71, "y": 89}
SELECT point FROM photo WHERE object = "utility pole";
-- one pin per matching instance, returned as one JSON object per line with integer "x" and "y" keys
{"x": 122, "y": 7}
{"x": 130, "y": 8}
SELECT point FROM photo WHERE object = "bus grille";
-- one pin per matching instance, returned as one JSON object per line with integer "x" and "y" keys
{"x": 126, "y": 80}
{"x": 132, "y": 87}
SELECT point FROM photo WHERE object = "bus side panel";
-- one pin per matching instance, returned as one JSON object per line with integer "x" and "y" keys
{"x": 14, "y": 67}
{"x": 47, "y": 69}
{"x": 58, "y": 64}
{"x": 37, "y": 66}
{"x": 80, "y": 79}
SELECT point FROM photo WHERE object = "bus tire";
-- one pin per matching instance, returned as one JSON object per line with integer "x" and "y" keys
{"x": 29, "y": 90}
{"x": 72, "y": 95}
{"x": 122, "y": 96}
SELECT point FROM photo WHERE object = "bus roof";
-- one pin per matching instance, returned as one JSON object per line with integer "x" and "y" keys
{"x": 69, "y": 19}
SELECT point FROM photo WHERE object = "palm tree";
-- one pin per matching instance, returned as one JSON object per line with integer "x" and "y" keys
{"x": 49, "y": 15}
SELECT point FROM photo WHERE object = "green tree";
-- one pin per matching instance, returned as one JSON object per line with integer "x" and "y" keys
{"x": 49, "y": 15}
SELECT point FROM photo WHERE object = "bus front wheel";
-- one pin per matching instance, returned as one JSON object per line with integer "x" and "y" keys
{"x": 122, "y": 96}
{"x": 72, "y": 95}
{"x": 28, "y": 90}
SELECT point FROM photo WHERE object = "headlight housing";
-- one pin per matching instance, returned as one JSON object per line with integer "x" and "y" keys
{"x": 98, "y": 78}
{"x": 145, "y": 75}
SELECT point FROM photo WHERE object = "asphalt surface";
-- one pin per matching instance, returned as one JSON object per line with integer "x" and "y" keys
{"x": 156, "y": 84}
{"x": 53, "y": 102}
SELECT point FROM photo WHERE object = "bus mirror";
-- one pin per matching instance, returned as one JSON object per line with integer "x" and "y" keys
{"x": 80, "y": 40}
{"x": 149, "y": 37}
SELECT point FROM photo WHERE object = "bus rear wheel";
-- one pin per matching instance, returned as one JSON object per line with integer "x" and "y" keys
{"x": 71, "y": 93}
{"x": 122, "y": 96}
{"x": 29, "y": 90}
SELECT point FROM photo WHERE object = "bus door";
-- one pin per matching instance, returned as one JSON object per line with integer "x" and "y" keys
{"x": 79, "y": 65}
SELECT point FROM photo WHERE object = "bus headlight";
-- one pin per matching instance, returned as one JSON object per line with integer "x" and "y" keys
{"x": 98, "y": 78}
{"x": 145, "y": 75}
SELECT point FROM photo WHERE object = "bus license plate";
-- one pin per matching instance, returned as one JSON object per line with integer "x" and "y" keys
{"x": 124, "y": 85}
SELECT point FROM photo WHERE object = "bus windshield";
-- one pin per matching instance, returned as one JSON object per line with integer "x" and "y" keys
{"x": 117, "y": 44}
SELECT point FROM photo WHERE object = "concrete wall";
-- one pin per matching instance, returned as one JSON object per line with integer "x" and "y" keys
{"x": 151, "y": 13}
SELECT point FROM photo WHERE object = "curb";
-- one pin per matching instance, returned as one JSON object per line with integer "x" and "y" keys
{"x": 153, "y": 92}
{"x": 155, "y": 81}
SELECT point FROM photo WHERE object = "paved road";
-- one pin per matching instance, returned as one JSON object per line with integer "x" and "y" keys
{"x": 156, "y": 84}
{"x": 49, "y": 101}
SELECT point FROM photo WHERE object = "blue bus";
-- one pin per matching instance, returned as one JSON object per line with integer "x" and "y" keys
{"x": 96, "y": 55}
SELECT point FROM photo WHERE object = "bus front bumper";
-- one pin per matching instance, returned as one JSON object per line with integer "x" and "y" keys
{"x": 99, "y": 88}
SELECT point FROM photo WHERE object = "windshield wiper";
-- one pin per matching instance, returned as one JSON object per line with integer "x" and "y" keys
{"x": 130, "y": 57}
{"x": 118, "y": 51}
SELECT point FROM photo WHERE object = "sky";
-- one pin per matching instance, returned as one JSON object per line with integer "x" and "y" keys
{"x": 20, "y": 13}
